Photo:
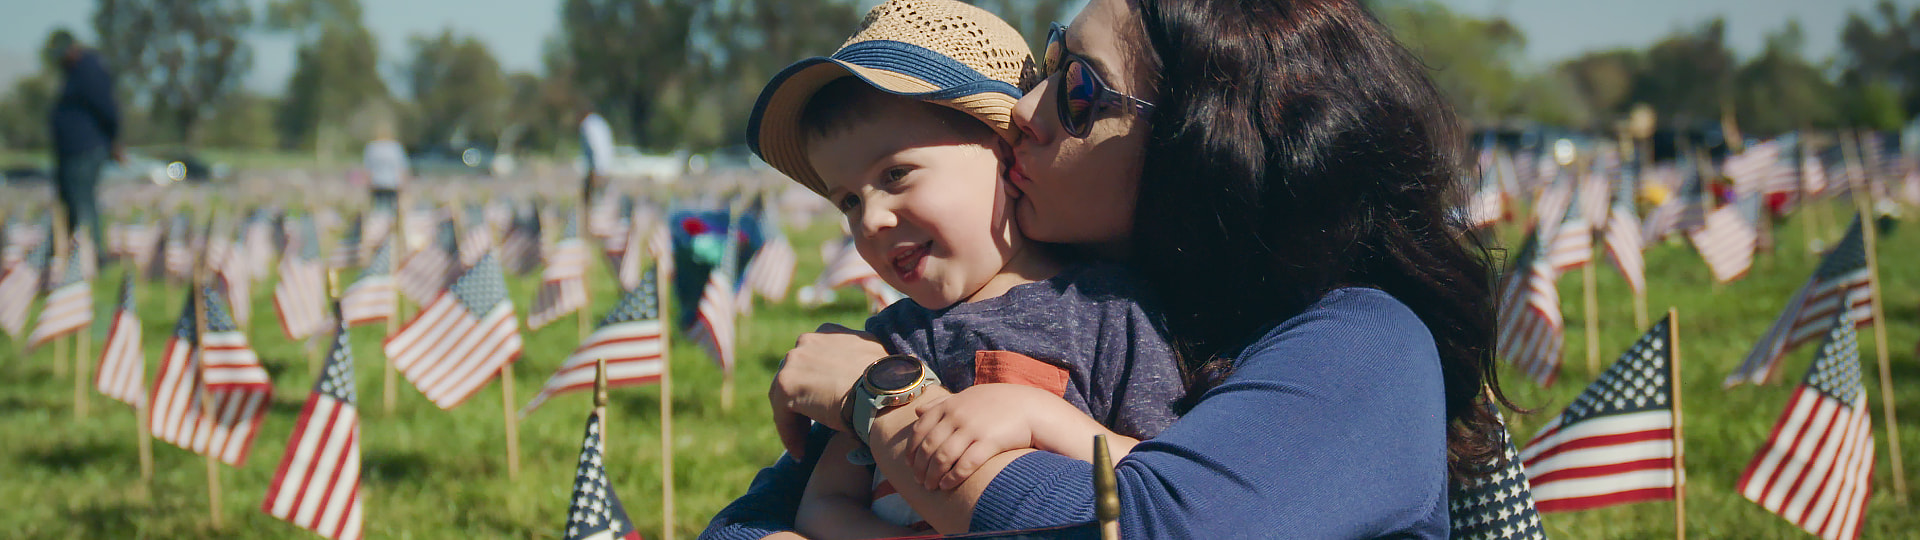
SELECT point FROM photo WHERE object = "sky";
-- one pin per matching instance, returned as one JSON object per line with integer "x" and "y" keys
{"x": 517, "y": 29}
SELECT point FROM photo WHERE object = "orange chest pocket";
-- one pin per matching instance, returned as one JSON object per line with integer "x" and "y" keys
{"x": 1015, "y": 368}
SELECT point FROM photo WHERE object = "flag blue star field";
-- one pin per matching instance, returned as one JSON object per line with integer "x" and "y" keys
{"x": 1498, "y": 506}
{"x": 595, "y": 512}
{"x": 1816, "y": 470}
{"x": 1614, "y": 444}
{"x": 461, "y": 339}
{"x": 1839, "y": 284}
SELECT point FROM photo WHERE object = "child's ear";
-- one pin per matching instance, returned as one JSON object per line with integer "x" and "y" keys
{"x": 1003, "y": 152}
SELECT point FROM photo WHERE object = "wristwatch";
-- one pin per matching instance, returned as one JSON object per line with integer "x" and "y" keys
{"x": 891, "y": 381}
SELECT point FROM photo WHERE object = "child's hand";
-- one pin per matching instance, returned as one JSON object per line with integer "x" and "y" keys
{"x": 954, "y": 436}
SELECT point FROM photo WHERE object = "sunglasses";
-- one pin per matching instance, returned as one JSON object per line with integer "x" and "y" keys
{"x": 1082, "y": 95}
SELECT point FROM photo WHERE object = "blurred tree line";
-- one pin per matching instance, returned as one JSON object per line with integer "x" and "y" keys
{"x": 682, "y": 74}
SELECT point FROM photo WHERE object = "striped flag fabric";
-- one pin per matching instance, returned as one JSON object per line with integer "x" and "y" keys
{"x": 563, "y": 284}
{"x": 594, "y": 512}
{"x": 660, "y": 245}
{"x": 317, "y": 486}
{"x": 346, "y": 254}
{"x": 1622, "y": 239}
{"x": 1839, "y": 285}
{"x": 1530, "y": 322}
{"x": 211, "y": 402}
{"x": 1813, "y": 174}
{"x": 713, "y": 326}
{"x": 178, "y": 253}
{"x": 1816, "y": 469}
{"x": 1672, "y": 214}
{"x": 520, "y": 251}
{"x": 628, "y": 338}
{"x": 21, "y": 285}
{"x": 122, "y": 371}
{"x": 1760, "y": 168}
{"x": 1726, "y": 241}
{"x": 770, "y": 273}
{"x": 461, "y": 339}
{"x": 1614, "y": 444}
{"x": 69, "y": 306}
{"x": 257, "y": 243}
{"x": 300, "y": 298}
{"x": 628, "y": 262}
{"x": 1572, "y": 245}
{"x": 424, "y": 274}
{"x": 1498, "y": 505}
{"x": 232, "y": 273}
{"x": 371, "y": 297}
{"x": 475, "y": 239}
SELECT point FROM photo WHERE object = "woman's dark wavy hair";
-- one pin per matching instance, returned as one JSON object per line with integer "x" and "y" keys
{"x": 1297, "y": 148}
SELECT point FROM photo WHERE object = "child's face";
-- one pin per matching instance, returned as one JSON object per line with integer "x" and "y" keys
{"x": 926, "y": 201}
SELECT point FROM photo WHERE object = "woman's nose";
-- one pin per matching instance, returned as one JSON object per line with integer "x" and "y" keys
{"x": 1032, "y": 115}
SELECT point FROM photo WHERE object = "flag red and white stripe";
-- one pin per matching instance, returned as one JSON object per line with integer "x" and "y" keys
{"x": 770, "y": 273}
{"x": 122, "y": 371}
{"x": 300, "y": 297}
{"x": 629, "y": 339}
{"x": 20, "y": 286}
{"x": 714, "y": 319}
{"x": 461, "y": 339}
{"x": 563, "y": 284}
{"x": 1839, "y": 286}
{"x": 372, "y": 297}
{"x": 1614, "y": 444}
{"x": 1727, "y": 242}
{"x": 317, "y": 486}
{"x": 69, "y": 306}
{"x": 1623, "y": 244}
{"x": 211, "y": 403}
{"x": 1816, "y": 469}
{"x": 1530, "y": 322}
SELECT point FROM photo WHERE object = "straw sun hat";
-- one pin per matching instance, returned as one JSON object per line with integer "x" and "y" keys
{"x": 938, "y": 51}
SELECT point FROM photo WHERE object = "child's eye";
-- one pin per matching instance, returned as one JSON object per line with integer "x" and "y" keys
{"x": 896, "y": 174}
{"x": 848, "y": 202}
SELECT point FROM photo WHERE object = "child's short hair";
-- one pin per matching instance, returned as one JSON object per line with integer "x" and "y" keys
{"x": 942, "y": 52}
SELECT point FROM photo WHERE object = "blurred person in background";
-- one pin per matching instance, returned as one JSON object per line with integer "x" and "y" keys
{"x": 596, "y": 142}
{"x": 86, "y": 129}
{"x": 386, "y": 163}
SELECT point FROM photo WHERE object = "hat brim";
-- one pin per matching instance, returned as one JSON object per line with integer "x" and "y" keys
{"x": 774, "y": 127}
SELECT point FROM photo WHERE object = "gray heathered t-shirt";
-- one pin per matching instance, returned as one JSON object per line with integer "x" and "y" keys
{"x": 1120, "y": 369}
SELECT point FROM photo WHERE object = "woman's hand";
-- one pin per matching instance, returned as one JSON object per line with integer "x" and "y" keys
{"x": 813, "y": 380}
{"x": 956, "y": 435}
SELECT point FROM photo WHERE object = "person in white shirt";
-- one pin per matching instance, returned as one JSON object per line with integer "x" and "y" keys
{"x": 596, "y": 142}
{"x": 386, "y": 163}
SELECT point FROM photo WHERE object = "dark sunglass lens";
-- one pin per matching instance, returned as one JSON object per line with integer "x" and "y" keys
{"x": 1056, "y": 46}
{"x": 1079, "y": 90}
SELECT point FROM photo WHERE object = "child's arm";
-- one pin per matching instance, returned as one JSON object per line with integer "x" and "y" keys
{"x": 954, "y": 436}
{"x": 838, "y": 501}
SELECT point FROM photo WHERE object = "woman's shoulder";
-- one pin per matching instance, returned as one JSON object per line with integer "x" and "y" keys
{"x": 1350, "y": 327}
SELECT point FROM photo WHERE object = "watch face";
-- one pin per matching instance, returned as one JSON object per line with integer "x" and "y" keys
{"x": 894, "y": 373}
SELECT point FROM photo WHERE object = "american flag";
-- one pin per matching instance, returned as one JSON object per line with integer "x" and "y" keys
{"x": 371, "y": 298}
{"x": 1839, "y": 284}
{"x": 629, "y": 339}
{"x": 660, "y": 245}
{"x": 1623, "y": 239}
{"x": 258, "y": 243}
{"x": 714, "y": 323}
{"x": 1497, "y": 506}
{"x": 1760, "y": 168}
{"x": 425, "y": 273}
{"x": 844, "y": 266}
{"x": 1614, "y": 444}
{"x": 212, "y": 402}
{"x": 461, "y": 339}
{"x": 69, "y": 306}
{"x": 475, "y": 240}
{"x": 770, "y": 273}
{"x": 20, "y": 285}
{"x": 318, "y": 484}
{"x": 418, "y": 226}
{"x": 1813, "y": 174}
{"x": 231, "y": 272}
{"x": 142, "y": 243}
{"x": 1674, "y": 213}
{"x": 1726, "y": 241}
{"x": 627, "y": 272}
{"x": 594, "y": 512}
{"x": 1530, "y": 323}
{"x": 563, "y": 285}
{"x": 179, "y": 250}
{"x": 1572, "y": 245}
{"x": 301, "y": 296}
{"x": 521, "y": 249}
{"x": 1816, "y": 470}
{"x": 346, "y": 254}
{"x": 123, "y": 365}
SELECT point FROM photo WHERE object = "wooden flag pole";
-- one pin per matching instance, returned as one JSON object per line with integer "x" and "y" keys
{"x": 1640, "y": 307}
{"x": 513, "y": 428}
{"x": 396, "y": 248}
{"x": 1679, "y": 437}
{"x": 580, "y": 222}
{"x": 199, "y": 282}
{"x": 1106, "y": 502}
{"x": 1862, "y": 200}
{"x": 666, "y": 412}
{"x": 81, "y": 342}
{"x": 60, "y": 239}
{"x": 1593, "y": 313}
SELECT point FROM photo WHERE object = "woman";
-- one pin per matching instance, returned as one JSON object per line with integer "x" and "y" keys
{"x": 1282, "y": 173}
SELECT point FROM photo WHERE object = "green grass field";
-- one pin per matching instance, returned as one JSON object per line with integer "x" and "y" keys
{"x": 442, "y": 474}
